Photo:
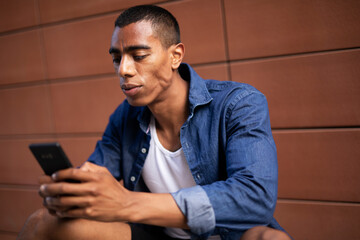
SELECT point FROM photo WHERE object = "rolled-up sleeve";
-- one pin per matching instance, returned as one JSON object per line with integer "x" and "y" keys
{"x": 196, "y": 206}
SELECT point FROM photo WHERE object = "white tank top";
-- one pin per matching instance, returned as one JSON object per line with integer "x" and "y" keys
{"x": 165, "y": 171}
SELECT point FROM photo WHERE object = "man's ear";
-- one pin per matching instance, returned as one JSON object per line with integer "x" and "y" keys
{"x": 177, "y": 55}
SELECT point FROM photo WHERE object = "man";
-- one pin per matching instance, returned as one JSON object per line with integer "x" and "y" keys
{"x": 180, "y": 158}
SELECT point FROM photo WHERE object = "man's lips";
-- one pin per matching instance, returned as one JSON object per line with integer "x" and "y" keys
{"x": 130, "y": 89}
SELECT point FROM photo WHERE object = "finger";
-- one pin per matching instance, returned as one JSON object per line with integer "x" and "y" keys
{"x": 44, "y": 179}
{"x": 52, "y": 212}
{"x": 52, "y": 209}
{"x": 64, "y": 188}
{"x": 67, "y": 202}
{"x": 71, "y": 213}
{"x": 121, "y": 182}
{"x": 90, "y": 167}
{"x": 73, "y": 174}
{"x": 76, "y": 213}
{"x": 43, "y": 190}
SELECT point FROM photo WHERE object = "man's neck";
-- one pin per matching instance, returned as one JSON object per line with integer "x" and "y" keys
{"x": 171, "y": 113}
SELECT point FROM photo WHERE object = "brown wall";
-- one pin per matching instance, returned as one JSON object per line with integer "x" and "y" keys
{"x": 57, "y": 84}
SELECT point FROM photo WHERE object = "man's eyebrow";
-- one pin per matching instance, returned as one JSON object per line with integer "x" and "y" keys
{"x": 129, "y": 48}
{"x": 114, "y": 50}
{"x": 136, "y": 47}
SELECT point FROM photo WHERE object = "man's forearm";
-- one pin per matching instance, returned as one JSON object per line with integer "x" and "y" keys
{"x": 155, "y": 209}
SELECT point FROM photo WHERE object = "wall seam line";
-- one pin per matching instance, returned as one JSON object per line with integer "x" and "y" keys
{"x": 226, "y": 40}
{"x": 318, "y": 202}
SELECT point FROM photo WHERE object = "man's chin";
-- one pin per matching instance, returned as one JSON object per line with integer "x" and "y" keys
{"x": 136, "y": 103}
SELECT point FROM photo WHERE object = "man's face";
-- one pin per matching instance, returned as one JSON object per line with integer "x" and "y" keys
{"x": 142, "y": 63}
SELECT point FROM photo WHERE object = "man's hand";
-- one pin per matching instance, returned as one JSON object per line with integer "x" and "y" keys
{"x": 45, "y": 179}
{"x": 98, "y": 196}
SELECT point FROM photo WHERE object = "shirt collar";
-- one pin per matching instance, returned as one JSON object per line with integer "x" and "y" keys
{"x": 198, "y": 93}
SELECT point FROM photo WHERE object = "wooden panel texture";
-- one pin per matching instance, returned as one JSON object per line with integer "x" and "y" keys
{"x": 198, "y": 25}
{"x": 86, "y": 52}
{"x": 319, "y": 164}
{"x": 85, "y": 106}
{"x": 15, "y": 207}
{"x": 213, "y": 71}
{"x": 7, "y": 236}
{"x": 54, "y": 10}
{"x": 21, "y": 58}
{"x": 16, "y": 14}
{"x": 314, "y": 90}
{"x": 25, "y": 110}
{"x": 319, "y": 220}
{"x": 18, "y": 165}
{"x": 258, "y": 28}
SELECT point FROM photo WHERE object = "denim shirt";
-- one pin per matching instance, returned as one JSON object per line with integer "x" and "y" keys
{"x": 228, "y": 144}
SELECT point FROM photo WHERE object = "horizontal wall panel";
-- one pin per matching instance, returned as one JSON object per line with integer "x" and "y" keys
{"x": 20, "y": 58}
{"x": 17, "y": 164}
{"x": 54, "y": 10}
{"x": 85, "y": 106}
{"x": 25, "y": 110}
{"x": 7, "y": 236}
{"x": 79, "y": 48}
{"x": 307, "y": 91}
{"x": 265, "y": 28}
{"x": 17, "y": 160}
{"x": 213, "y": 71}
{"x": 319, "y": 164}
{"x": 320, "y": 221}
{"x": 16, "y": 14}
{"x": 17, "y": 205}
{"x": 201, "y": 29}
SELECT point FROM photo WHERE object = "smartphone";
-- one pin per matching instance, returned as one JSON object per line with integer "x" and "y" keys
{"x": 50, "y": 156}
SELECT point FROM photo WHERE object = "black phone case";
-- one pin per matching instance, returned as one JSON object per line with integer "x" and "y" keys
{"x": 50, "y": 156}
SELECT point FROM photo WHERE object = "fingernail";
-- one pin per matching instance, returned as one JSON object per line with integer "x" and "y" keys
{"x": 42, "y": 188}
{"x": 53, "y": 176}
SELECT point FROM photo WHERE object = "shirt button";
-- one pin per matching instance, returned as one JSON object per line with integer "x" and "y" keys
{"x": 143, "y": 150}
{"x": 132, "y": 179}
{"x": 198, "y": 176}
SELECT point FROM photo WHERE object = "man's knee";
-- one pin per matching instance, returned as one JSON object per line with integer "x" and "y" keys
{"x": 34, "y": 227}
{"x": 42, "y": 225}
{"x": 264, "y": 233}
{"x": 272, "y": 234}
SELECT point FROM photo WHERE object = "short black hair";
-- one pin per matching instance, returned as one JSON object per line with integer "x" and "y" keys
{"x": 163, "y": 23}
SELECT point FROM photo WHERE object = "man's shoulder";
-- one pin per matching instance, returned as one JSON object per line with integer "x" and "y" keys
{"x": 218, "y": 88}
{"x": 220, "y": 85}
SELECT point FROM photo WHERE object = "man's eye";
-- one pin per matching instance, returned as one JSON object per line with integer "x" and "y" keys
{"x": 139, "y": 57}
{"x": 116, "y": 60}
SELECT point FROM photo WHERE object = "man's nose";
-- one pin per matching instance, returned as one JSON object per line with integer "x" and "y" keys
{"x": 126, "y": 68}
